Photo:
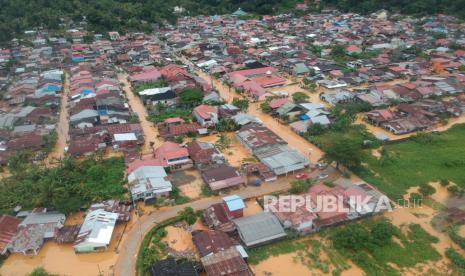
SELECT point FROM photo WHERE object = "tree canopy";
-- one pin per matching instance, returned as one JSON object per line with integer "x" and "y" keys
{"x": 16, "y": 16}
{"x": 191, "y": 96}
{"x": 66, "y": 187}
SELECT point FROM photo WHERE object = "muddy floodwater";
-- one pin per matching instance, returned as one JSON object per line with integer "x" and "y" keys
{"x": 235, "y": 154}
{"x": 61, "y": 259}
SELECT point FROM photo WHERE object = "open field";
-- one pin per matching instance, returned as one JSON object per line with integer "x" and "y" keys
{"x": 420, "y": 160}
{"x": 409, "y": 251}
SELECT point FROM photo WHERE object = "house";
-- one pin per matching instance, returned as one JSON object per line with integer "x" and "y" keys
{"x": 259, "y": 229}
{"x": 148, "y": 183}
{"x": 302, "y": 220}
{"x": 211, "y": 241}
{"x": 173, "y": 156}
{"x": 96, "y": 232}
{"x": 206, "y": 115}
{"x": 327, "y": 217}
{"x": 8, "y": 228}
{"x": 300, "y": 69}
{"x": 216, "y": 218}
{"x": 222, "y": 177}
{"x": 226, "y": 263}
{"x": 336, "y": 97}
{"x": 171, "y": 267}
{"x": 85, "y": 118}
{"x": 162, "y": 95}
{"x": 114, "y": 206}
{"x": 35, "y": 229}
{"x": 378, "y": 117}
{"x": 270, "y": 149}
{"x": 204, "y": 154}
{"x": 146, "y": 76}
{"x": 243, "y": 119}
{"x": 175, "y": 127}
{"x": 234, "y": 206}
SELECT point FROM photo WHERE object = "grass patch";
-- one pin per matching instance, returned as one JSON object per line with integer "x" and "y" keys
{"x": 152, "y": 249}
{"x": 285, "y": 246}
{"x": 425, "y": 158}
{"x": 368, "y": 246}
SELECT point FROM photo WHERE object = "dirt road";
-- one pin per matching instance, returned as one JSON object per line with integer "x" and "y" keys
{"x": 284, "y": 131}
{"x": 150, "y": 131}
{"x": 129, "y": 248}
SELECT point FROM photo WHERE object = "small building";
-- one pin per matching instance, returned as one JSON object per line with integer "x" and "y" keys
{"x": 8, "y": 227}
{"x": 226, "y": 263}
{"x": 216, "y": 218}
{"x": 234, "y": 206}
{"x": 35, "y": 229}
{"x": 206, "y": 115}
{"x": 222, "y": 177}
{"x": 148, "y": 183}
{"x": 211, "y": 242}
{"x": 96, "y": 232}
{"x": 259, "y": 229}
{"x": 173, "y": 156}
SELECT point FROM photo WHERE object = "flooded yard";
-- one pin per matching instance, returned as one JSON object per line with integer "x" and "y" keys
{"x": 189, "y": 182}
{"x": 235, "y": 154}
{"x": 252, "y": 207}
{"x": 61, "y": 259}
{"x": 281, "y": 265}
{"x": 179, "y": 239}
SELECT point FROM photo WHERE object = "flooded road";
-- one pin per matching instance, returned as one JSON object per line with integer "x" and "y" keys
{"x": 61, "y": 258}
{"x": 62, "y": 128}
{"x": 294, "y": 140}
{"x": 150, "y": 131}
{"x": 376, "y": 130}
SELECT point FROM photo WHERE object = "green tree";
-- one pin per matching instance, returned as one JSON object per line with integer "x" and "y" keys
{"x": 223, "y": 142}
{"x": 427, "y": 190}
{"x": 191, "y": 96}
{"x": 345, "y": 150}
{"x": 226, "y": 125}
{"x": 300, "y": 97}
{"x": 265, "y": 106}
{"x": 353, "y": 236}
{"x": 300, "y": 186}
{"x": 382, "y": 232}
{"x": 40, "y": 271}
{"x": 188, "y": 215}
{"x": 241, "y": 103}
{"x": 316, "y": 129}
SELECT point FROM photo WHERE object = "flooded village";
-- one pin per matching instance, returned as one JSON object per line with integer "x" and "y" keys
{"x": 168, "y": 146}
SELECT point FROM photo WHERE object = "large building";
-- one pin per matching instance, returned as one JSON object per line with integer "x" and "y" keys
{"x": 271, "y": 149}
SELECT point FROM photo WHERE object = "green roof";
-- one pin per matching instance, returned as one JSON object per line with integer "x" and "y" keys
{"x": 239, "y": 12}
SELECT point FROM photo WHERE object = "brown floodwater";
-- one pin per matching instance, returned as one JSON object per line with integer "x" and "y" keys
{"x": 235, "y": 153}
{"x": 179, "y": 239}
{"x": 61, "y": 259}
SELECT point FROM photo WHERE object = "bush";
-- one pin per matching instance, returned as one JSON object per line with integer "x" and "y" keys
{"x": 300, "y": 97}
{"x": 300, "y": 186}
{"x": 241, "y": 103}
{"x": 416, "y": 198}
{"x": 427, "y": 189}
{"x": 188, "y": 215}
{"x": 444, "y": 182}
{"x": 455, "y": 257}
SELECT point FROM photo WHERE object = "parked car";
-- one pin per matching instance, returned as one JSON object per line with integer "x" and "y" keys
{"x": 302, "y": 175}
{"x": 321, "y": 165}
{"x": 322, "y": 177}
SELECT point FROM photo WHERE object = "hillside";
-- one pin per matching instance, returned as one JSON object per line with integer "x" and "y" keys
{"x": 104, "y": 15}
